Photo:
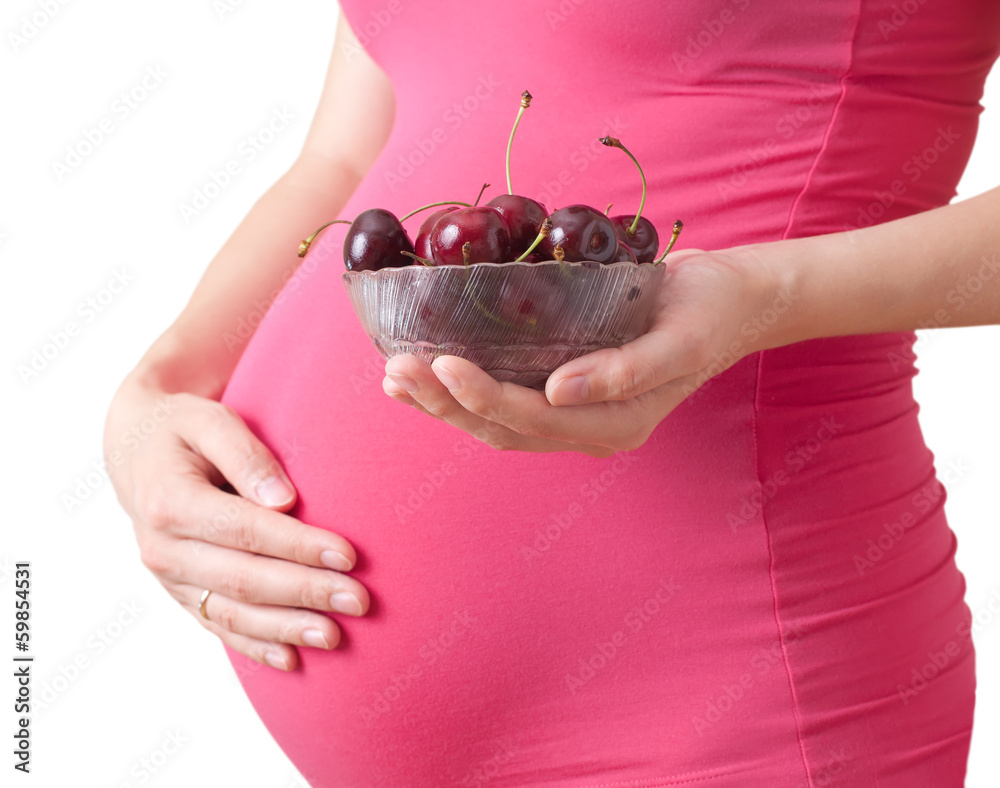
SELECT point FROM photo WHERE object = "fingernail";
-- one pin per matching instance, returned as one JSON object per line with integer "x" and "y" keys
{"x": 405, "y": 382}
{"x": 276, "y": 660}
{"x": 571, "y": 391}
{"x": 446, "y": 376}
{"x": 315, "y": 638}
{"x": 274, "y": 491}
{"x": 335, "y": 560}
{"x": 346, "y": 603}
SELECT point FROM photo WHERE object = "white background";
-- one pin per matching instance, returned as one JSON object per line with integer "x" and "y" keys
{"x": 226, "y": 67}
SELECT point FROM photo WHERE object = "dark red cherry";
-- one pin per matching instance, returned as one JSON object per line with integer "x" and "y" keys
{"x": 523, "y": 216}
{"x": 375, "y": 240}
{"x": 422, "y": 244}
{"x": 645, "y": 243}
{"x": 624, "y": 254}
{"x": 435, "y": 302}
{"x": 584, "y": 234}
{"x": 483, "y": 228}
{"x": 530, "y": 309}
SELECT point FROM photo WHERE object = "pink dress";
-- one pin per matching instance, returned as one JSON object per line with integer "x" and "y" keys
{"x": 765, "y": 593}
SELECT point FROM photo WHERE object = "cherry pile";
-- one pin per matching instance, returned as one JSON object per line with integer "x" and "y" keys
{"x": 509, "y": 228}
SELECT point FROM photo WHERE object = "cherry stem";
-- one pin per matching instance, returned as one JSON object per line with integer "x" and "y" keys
{"x": 480, "y": 195}
{"x": 559, "y": 253}
{"x": 304, "y": 246}
{"x": 525, "y": 103}
{"x": 608, "y": 209}
{"x": 678, "y": 226}
{"x": 611, "y": 142}
{"x": 433, "y": 205}
{"x": 466, "y": 251}
{"x": 543, "y": 231}
{"x": 418, "y": 258}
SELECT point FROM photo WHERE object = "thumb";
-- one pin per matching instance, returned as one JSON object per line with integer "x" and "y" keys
{"x": 620, "y": 373}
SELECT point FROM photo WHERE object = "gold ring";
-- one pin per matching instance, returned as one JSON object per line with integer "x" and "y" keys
{"x": 201, "y": 607}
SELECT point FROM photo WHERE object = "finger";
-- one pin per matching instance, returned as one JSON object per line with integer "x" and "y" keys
{"x": 258, "y": 579}
{"x": 625, "y": 372}
{"x": 195, "y": 509}
{"x": 430, "y": 396}
{"x": 500, "y": 437}
{"x": 277, "y": 655}
{"x": 219, "y": 434}
{"x": 269, "y": 623}
{"x": 231, "y": 521}
{"x": 614, "y": 425}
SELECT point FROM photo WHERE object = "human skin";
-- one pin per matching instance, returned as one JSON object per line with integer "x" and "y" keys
{"x": 937, "y": 268}
{"x": 269, "y": 572}
{"x": 267, "y": 569}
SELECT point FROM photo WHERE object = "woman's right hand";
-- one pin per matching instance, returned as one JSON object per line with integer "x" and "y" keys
{"x": 269, "y": 573}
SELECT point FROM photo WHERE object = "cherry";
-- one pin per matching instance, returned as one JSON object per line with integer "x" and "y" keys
{"x": 435, "y": 302}
{"x": 532, "y": 308}
{"x": 632, "y": 229}
{"x": 644, "y": 242}
{"x": 625, "y": 254}
{"x": 529, "y": 254}
{"x": 480, "y": 232}
{"x": 376, "y": 240}
{"x": 583, "y": 233}
{"x": 523, "y": 216}
{"x": 422, "y": 244}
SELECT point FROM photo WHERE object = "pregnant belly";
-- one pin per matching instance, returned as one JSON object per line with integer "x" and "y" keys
{"x": 565, "y": 621}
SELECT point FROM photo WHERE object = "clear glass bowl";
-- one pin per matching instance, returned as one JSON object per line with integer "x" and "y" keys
{"x": 517, "y": 321}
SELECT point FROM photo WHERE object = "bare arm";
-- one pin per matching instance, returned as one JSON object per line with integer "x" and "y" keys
{"x": 349, "y": 129}
{"x": 268, "y": 572}
{"x": 931, "y": 270}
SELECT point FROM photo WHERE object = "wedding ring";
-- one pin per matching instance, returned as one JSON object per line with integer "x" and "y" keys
{"x": 201, "y": 607}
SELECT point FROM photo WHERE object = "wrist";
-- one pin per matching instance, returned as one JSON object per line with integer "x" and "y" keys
{"x": 792, "y": 272}
{"x": 173, "y": 365}
{"x": 166, "y": 369}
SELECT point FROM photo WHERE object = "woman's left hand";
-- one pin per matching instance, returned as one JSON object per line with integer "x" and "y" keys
{"x": 711, "y": 309}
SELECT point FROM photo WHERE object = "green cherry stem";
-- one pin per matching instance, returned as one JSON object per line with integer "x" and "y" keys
{"x": 304, "y": 246}
{"x": 611, "y": 142}
{"x": 678, "y": 226}
{"x": 418, "y": 258}
{"x": 525, "y": 103}
{"x": 543, "y": 231}
{"x": 480, "y": 195}
{"x": 434, "y": 205}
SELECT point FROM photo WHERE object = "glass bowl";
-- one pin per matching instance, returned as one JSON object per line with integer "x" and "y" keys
{"x": 517, "y": 321}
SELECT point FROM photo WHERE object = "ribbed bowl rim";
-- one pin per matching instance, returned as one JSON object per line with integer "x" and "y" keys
{"x": 545, "y": 264}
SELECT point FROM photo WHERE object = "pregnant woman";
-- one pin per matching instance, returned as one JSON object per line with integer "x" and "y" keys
{"x": 715, "y": 557}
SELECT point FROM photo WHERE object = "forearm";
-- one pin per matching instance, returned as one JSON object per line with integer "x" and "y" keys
{"x": 934, "y": 269}
{"x": 200, "y": 350}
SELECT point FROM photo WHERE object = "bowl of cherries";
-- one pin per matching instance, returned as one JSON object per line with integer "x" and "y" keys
{"x": 507, "y": 285}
